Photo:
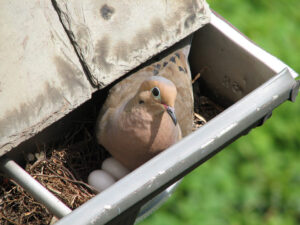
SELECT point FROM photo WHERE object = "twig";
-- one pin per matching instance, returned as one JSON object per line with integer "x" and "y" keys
{"x": 69, "y": 140}
{"x": 4, "y": 217}
{"x": 200, "y": 117}
{"x": 36, "y": 163}
{"x": 199, "y": 74}
{"x": 73, "y": 200}
{"x": 67, "y": 179}
{"x": 196, "y": 78}
{"x": 64, "y": 168}
{"x": 53, "y": 190}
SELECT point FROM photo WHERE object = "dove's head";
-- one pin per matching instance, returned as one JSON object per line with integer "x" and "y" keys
{"x": 158, "y": 94}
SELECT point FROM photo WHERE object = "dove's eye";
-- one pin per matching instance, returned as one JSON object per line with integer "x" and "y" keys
{"x": 155, "y": 92}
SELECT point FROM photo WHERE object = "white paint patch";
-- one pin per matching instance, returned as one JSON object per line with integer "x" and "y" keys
{"x": 107, "y": 207}
{"x": 275, "y": 97}
{"x": 150, "y": 182}
{"x": 208, "y": 143}
{"x": 161, "y": 172}
{"x": 231, "y": 126}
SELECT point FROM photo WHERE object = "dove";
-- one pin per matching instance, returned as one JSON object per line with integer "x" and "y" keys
{"x": 148, "y": 111}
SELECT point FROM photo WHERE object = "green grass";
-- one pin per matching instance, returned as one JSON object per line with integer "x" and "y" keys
{"x": 255, "y": 180}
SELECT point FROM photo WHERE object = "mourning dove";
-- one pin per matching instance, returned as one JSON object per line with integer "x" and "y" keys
{"x": 148, "y": 111}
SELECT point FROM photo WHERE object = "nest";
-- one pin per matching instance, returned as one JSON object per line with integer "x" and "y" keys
{"x": 63, "y": 170}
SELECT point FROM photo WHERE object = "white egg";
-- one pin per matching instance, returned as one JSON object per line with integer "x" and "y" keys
{"x": 113, "y": 167}
{"x": 100, "y": 180}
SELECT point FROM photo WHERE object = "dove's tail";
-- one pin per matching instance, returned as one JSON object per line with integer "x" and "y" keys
{"x": 185, "y": 45}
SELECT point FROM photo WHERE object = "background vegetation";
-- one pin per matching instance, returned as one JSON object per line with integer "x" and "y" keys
{"x": 255, "y": 180}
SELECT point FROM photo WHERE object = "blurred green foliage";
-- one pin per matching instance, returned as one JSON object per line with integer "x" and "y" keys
{"x": 256, "y": 180}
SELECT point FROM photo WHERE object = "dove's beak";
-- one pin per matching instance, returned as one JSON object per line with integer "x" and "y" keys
{"x": 171, "y": 111}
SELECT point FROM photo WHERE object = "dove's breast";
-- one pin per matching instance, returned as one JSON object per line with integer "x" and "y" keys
{"x": 134, "y": 139}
